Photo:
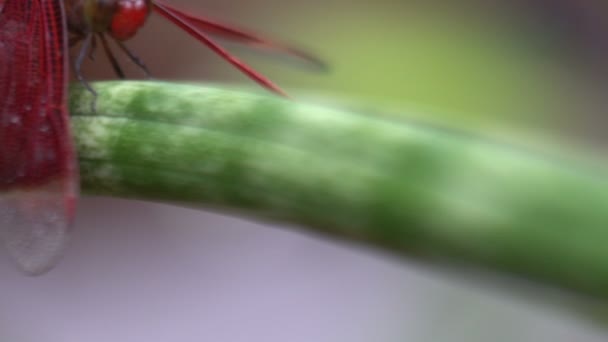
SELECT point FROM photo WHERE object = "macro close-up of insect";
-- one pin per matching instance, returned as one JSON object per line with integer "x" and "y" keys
{"x": 374, "y": 170}
{"x": 38, "y": 168}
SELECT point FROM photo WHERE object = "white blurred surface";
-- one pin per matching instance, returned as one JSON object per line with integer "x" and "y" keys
{"x": 149, "y": 272}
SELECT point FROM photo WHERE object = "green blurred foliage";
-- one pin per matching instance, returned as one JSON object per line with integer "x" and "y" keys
{"x": 480, "y": 67}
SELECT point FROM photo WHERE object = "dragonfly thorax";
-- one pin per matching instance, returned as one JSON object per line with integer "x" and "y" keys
{"x": 119, "y": 18}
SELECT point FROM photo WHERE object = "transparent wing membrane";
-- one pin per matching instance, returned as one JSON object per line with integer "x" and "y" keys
{"x": 36, "y": 228}
{"x": 38, "y": 172}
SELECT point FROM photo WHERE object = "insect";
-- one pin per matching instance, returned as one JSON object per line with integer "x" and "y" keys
{"x": 39, "y": 181}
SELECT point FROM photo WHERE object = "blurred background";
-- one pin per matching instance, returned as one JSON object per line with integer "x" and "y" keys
{"x": 533, "y": 72}
{"x": 524, "y": 68}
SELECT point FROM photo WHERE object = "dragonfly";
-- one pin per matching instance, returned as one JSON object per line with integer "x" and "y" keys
{"x": 39, "y": 178}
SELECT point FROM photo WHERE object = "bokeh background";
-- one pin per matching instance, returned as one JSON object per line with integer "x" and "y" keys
{"x": 532, "y": 72}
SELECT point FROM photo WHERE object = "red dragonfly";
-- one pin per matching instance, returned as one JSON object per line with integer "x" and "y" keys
{"x": 38, "y": 168}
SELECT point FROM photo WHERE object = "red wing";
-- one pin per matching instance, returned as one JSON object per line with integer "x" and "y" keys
{"x": 253, "y": 40}
{"x": 38, "y": 172}
{"x": 178, "y": 19}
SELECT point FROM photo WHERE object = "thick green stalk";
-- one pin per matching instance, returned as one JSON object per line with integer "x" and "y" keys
{"x": 409, "y": 188}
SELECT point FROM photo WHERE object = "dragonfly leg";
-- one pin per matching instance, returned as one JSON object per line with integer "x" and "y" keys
{"x": 106, "y": 48}
{"x": 93, "y": 49}
{"x": 134, "y": 58}
{"x": 86, "y": 45}
{"x": 75, "y": 39}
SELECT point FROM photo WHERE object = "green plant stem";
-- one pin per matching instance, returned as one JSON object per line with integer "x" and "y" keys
{"x": 412, "y": 189}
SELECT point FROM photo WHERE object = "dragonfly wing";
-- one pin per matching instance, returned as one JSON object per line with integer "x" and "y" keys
{"x": 252, "y": 40}
{"x": 180, "y": 21}
{"x": 36, "y": 228}
{"x": 38, "y": 172}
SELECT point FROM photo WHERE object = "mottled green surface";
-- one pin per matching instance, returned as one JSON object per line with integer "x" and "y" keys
{"x": 410, "y": 188}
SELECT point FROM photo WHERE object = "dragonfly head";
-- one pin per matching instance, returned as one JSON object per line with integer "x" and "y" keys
{"x": 128, "y": 17}
{"x": 121, "y": 19}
